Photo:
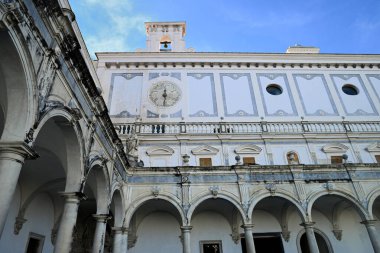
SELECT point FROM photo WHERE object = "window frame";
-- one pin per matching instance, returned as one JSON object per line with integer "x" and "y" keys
{"x": 203, "y": 159}
{"x": 39, "y": 237}
{"x": 219, "y": 242}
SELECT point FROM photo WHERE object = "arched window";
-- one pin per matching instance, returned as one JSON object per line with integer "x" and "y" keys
{"x": 292, "y": 158}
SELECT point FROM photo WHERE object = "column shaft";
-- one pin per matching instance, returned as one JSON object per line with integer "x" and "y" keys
{"x": 371, "y": 229}
{"x": 68, "y": 220}
{"x": 100, "y": 232}
{"x": 186, "y": 242}
{"x": 249, "y": 241}
{"x": 120, "y": 240}
{"x": 11, "y": 161}
{"x": 311, "y": 240}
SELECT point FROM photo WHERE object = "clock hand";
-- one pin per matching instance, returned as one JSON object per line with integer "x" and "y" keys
{"x": 164, "y": 95}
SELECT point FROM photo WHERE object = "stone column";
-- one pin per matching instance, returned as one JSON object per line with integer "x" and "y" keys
{"x": 371, "y": 229}
{"x": 120, "y": 240}
{"x": 311, "y": 240}
{"x": 68, "y": 220}
{"x": 12, "y": 157}
{"x": 249, "y": 241}
{"x": 100, "y": 232}
{"x": 186, "y": 242}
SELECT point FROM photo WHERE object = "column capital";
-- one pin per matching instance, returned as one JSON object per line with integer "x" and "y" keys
{"x": 17, "y": 151}
{"x": 248, "y": 226}
{"x": 369, "y": 222}
{"x": 119, "y": 230}
{"x": 101, "y": 217}
{"x": 186, "y": 228}
{"x": 73, "y": 197}
{"x": 309, "y": 224}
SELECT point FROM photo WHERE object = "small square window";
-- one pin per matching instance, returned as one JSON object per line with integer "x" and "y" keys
{"x": 377, "y": 157}
{"x": 336, "y": 159}
{"x": 205, "y": 162}
{"x": 211, "y": 246}
{"x": 249, "y": 161}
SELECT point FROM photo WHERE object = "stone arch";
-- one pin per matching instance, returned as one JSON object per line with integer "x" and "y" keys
{"x": 117, "y": 206}
{"x": 134, "y": 206}
{"x": 335, "y": 148}
{"x": 371, "y": 201}
{"x": 48, "y": 189}
{"x": 200, "y": 200}
{"x": 263, "y": 195}
{"x": 159, "y": 151}
{"x": 17, "y": 85}
{"x": 97, "y": 182}
{"x": 73, "y": 141}
{"x": 346, "y": 196}
{"x": 204, "y": 150}
{"x": 248, "y": 149}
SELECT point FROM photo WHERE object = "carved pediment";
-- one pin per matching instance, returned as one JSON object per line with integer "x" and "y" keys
{"x": 335, "y": 148}
{"x": 248, "y": 149}
{"x": 160, "y": 151}
{"x": 205, "y": 150}
{"x": 375, "y": 147}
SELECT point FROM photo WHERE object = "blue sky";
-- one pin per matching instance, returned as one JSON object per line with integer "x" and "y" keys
{"x": 270, "y": 26}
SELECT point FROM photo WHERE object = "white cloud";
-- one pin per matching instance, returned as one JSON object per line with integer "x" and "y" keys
{"x": 111, "y": 5}
{"x": 114, "y": 21}
{"x": 103, "y": 44}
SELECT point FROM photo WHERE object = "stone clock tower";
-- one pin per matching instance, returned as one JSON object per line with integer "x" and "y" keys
{"x": 165, "y": 37}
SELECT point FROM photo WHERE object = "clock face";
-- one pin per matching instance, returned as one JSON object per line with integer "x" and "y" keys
{"x": 164, "y": 93}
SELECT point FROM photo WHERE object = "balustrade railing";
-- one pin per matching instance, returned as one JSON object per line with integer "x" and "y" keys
{"x": 246, "y": 127}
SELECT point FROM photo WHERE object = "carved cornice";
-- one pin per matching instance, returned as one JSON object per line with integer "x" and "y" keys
{"x": 206, "y": 63}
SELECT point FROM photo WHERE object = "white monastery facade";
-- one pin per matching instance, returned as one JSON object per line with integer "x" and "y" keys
{"x": 171, "y": 150}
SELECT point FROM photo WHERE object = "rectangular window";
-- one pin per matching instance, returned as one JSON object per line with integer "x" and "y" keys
{"x": 335, "y": 159}
{"x": 377, "y": 157}
{"x": 205, "y": 162}
{"x": 211, "y": 246}
{"x": 249, "y": 161}
{"x": 35, "y": 243}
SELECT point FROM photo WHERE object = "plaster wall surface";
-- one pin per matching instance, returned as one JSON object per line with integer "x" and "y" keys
{"x": 240, "y": 95}
{"x": 212, "y": 226}
{"x": 158, "y": 232}
{"x": 40, "y": 220}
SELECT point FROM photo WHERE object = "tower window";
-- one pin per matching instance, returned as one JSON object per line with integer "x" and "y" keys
{"x": 165, "y": 46}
